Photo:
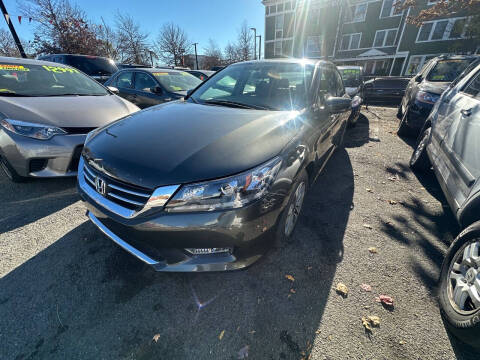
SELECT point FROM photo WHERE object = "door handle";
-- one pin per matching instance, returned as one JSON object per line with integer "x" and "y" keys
{"x": 466, "y": 112}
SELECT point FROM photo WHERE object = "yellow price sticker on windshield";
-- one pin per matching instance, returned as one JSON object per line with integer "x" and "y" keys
{"x": 159, "y": 73}
{"x": 60, "y": 69}
{"x": 13, "y": 67}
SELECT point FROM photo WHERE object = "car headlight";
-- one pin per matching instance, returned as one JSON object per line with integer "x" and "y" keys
{"x": 427, "y": 97}
{"x": 227, "y": 193}
{"x": 32, "y": 130}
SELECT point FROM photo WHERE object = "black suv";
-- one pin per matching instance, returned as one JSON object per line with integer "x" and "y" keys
{"x": 97, "y": 67}
{"x": 425, "y": 89}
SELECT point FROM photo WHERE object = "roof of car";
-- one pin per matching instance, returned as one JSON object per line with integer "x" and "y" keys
{"x": 349, "y": 67}
{"x": 28, "y": 61}
{"x": 453, "y": 57}
{"x": 153, "y": 70}
{"x": 287, "y": 61}
{"x": 79, "y": 55}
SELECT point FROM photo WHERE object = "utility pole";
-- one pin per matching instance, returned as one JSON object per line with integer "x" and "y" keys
{"x": 259, "y": 47}
{"x": 12, "y": 29}
{"x": 196, "y": 57}
{"x": 254, "y": 42}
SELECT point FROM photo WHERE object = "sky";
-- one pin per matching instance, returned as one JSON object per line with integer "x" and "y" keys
{"x": 201, "y": 20}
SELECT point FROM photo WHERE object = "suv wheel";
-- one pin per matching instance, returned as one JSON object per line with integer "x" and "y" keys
{"x": 419, "y": 160}
{"x": 460, "y": 286}
{"x": 10, "y": 171}
{"x": 403, "y": 128}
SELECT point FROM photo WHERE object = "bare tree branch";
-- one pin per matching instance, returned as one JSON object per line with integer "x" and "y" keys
{"x": 172, "y": 44}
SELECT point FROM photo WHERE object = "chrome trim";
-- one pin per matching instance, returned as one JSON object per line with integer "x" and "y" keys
{"x": 159, "y": 197}
{"x": 128, "y": 191}
{"x": 125, "y": 246}
{"x": 133, "y": 202}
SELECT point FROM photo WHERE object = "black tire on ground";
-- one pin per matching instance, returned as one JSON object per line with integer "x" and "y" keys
{"x": 465, "y": 327}
{"x": 403, "y": 128}
{"x": 399, "y": 112}
{"x": 419, "y": 160}
{"x": 10, "y": 171}
{"x": 281, "y": 237}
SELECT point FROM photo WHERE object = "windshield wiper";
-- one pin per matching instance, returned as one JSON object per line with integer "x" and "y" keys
{"x": 75, "y": 94}
{"x": 235, "y": 104}
{"x": 14, "y": 94}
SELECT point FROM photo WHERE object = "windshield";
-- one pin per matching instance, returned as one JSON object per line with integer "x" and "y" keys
{"x": 43, "y": 80}
{"x": 175, "y": 81}
{"x": 351, "y": 77}
{"x": 276, "y": 86}
{"x": 93, "y": 66}
{"x": 448, "y": 70}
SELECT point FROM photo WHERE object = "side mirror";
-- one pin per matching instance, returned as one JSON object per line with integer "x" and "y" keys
{"x": 356, "y": 101}
{"x": 113, "y": 89}
{"x": 419, "y": 79}
{"x": 156, "y": 90}
{"x": 338, "y": 104}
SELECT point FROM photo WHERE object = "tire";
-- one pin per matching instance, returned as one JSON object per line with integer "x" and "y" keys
{"x": 403, "y": 128}
{"x": 399, "y": 112}
{"x": 464, "y": 323}
{"x": 10, "y": 171}
{"x": 283, "y": 234}
{"x": 419, "y": 160}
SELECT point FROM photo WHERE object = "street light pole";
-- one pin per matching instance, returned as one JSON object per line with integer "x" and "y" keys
{"x": 259, "y": 47}
{"x": 254, "y": 42}
{"x": 12, "y": 29}
{"x": 196, "y": 57}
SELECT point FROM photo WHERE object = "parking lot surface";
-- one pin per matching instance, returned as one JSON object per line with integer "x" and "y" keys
{"x": 66, "y": 292}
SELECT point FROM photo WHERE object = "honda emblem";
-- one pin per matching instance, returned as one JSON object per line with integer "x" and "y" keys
{"x": 100, "y": 186}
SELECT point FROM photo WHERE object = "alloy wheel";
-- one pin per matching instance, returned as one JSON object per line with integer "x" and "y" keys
{"x": 464, "y": 279}
{"x": 420, "y": 148}
{"x": 294, "y": 209}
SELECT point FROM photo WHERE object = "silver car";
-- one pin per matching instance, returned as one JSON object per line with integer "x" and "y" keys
{"x": 46, "y": 110}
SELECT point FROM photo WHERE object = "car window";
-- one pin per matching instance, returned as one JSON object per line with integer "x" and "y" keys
{"x": 351, "y": 77}
{"x": 177, "y": 81}
{"x": 339, "y": 82}
{"x": 473, "y": 87}
{"x": 328, "y": 82}
{"x": 224, "y": 85}
{"x": 125, "y": 80}
{"x": 447, "y": 70}
{"x": 144, "y": 82}
{"x": 18, "y": 79}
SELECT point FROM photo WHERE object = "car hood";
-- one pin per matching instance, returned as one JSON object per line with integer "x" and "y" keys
{"x": 434, "y": 87}
{"x": 66, "y": 111}
{"x": 182, "y": 142}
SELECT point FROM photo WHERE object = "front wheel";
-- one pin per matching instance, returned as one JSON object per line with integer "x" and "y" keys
{"x": 459, "y": 296}
{"x": 403, "y": 128}
{"x": 291, "y": 213}
{"x": 419, "y": 160}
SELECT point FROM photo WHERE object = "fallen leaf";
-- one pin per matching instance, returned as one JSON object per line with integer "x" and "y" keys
{"x": 374, "y": 320}
{"x": 369, "y": 190}
{"x": 369, "y": 322}
{"x": 243, "y": 352}
{"x": 342, "y": 289}
{"x": 373, "y": 250}
{"x": 366, "y": 287}
{"x": 392, "y": 178}
{"x": 366, "y": 324}
{"x": 386, "y": 300}
{"x": 292, "y": 291}
{"x": 392, "y": 202}
{"x": 289, "y": 277}
{"x": 318, "y": 332}
{"x": 368, "y": 226}
{"x": 402, "y": 342}
{"x": 252, "y": 332}
{"x": 220, "y": 337}
{"x": 330, "y": 337}
{"x": 156, "y": 337}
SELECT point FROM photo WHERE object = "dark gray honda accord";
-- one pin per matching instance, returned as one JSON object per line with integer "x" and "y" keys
{"x": 209, "y": 182}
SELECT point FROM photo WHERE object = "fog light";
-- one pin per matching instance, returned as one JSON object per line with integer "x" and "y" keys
{"x": 205, "y": 251}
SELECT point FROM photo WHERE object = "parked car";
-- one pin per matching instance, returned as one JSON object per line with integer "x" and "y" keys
{"x": 46, "y": 110}
{"x": 148, "y": 87}
{"x": 352, "y": 77}
{"x": 208, "y": 183}
{"x": 97, "y": 67}
{"x": 450, "y": 144}
{"x": 217, "y": 68}
{"x": 131, "y": 66}
{"x": 425, "y": 88}
{"x": 384, "y": 89}
{"x": 201, "y": 74}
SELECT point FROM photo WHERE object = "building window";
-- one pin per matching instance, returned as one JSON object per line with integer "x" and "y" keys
{"x": 277, "y": 48}
{"x": 279, "y": 26}
{"x": 279, "y": 7}
{"x": 351, "y": 41}
{"x": 415, "y": 65}
{"x": 315, "y": 16}
{"x": 376, "y": 67}
{"x": 288, "y": 6}
{"x": 314, "y": 46}
{"x": 356, "y": 13}
{"x": 385, "y": 38}
{"x": 271, "y": 9}
{"x": 389, "y": 9}
{"x": 446, "y": 29}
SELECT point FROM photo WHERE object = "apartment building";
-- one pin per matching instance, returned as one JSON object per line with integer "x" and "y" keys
{"x": 370, "y": 33}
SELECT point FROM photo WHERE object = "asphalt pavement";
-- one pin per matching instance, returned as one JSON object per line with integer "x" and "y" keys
{"x": 67, "y": 292}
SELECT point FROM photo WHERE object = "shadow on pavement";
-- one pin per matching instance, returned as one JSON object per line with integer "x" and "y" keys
{"x": 27, "y": 202}
{"x": 358, "y": 135}
{"x": 82, "y": 297}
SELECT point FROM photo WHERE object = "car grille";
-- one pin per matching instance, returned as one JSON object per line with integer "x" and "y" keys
{"x": 128, "y": 196}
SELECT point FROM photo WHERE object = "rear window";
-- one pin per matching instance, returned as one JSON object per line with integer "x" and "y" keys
{"x": 92, "y": 65}
{"x": 448, "y": 70}
{"x": 391, "y": 83}
{"x": 351, "y": 77}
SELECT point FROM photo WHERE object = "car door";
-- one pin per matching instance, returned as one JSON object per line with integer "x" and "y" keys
{"x": 144, "y": 96}
{"x": 461, "y": 145}
{"x": 339, "y": 119}
{"x": 124, "y": 84}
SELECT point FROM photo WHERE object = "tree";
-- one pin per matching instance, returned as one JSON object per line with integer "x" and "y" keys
{"x": 213, "y": 55}
{"x": 7, "y": 45}
{"x": 61, "y": 27}
{"x": 171, "y": 44}
{"x": 244, "y": 43}
{"x": 109, "y": 46}
{"x": 231, "y": 54}
{"x": 131, "y": 41}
